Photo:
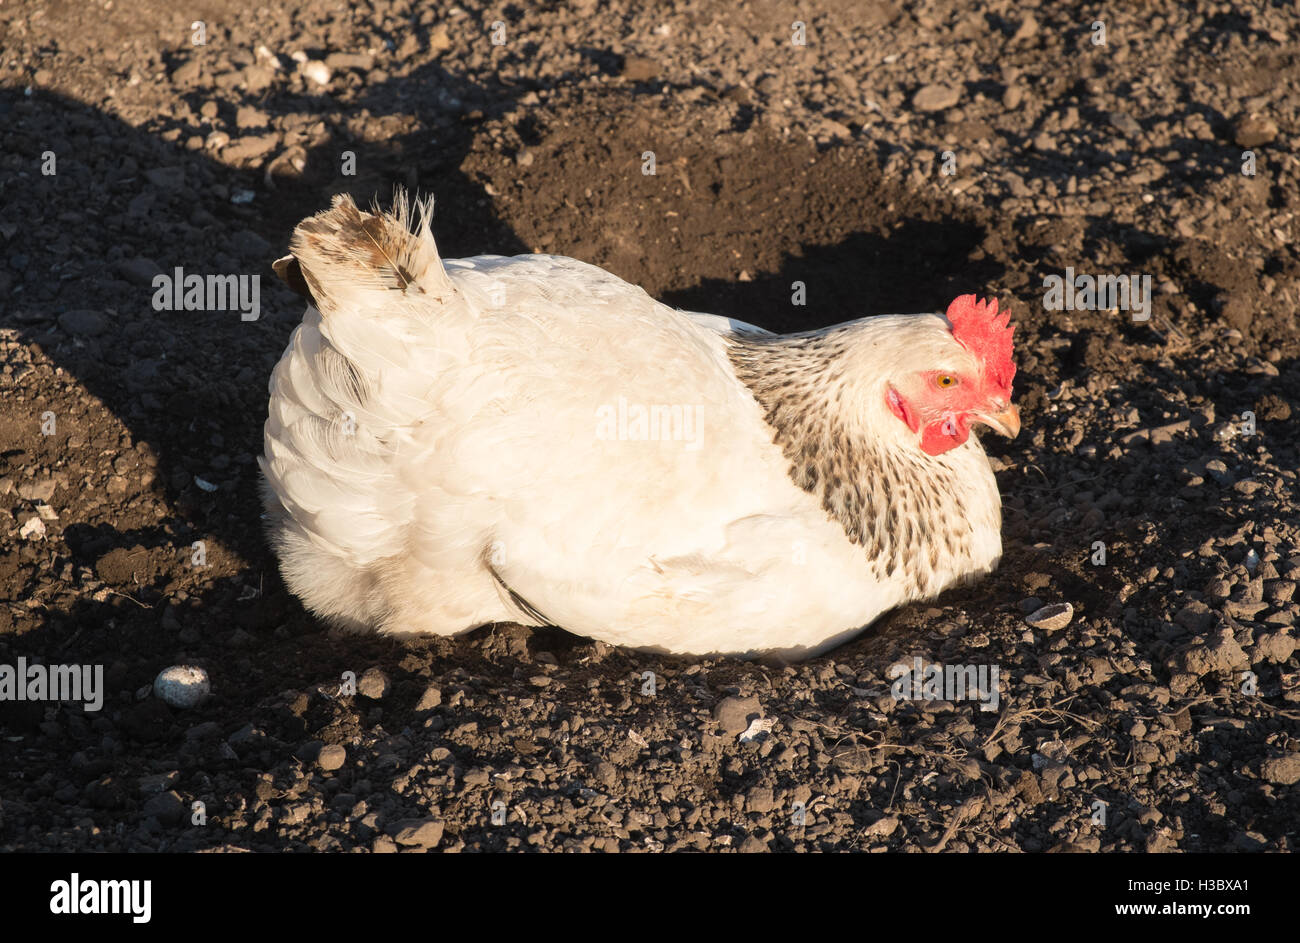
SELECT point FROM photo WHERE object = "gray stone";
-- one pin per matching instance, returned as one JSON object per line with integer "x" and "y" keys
{"x": 374, "y": 684}
{"x": 1254, "y": 131}
{"x": 1281, "y": 770}
{"x": 1051, "y": 618}
{"x": 166, "y": 178}
{"x": 418, "y": 833}
{"x": 332, "y": 756}
{"x": 1219, "y": 472}
{"x": 430, "y": 699}
{"x": 733, "y": 714}
{"x": 936, "y": 98}
{"x": 139, "y": 270}
{"x": 37, "y": 489}
{"x": 167, "y": 808}
{"x": 82, "y": 322}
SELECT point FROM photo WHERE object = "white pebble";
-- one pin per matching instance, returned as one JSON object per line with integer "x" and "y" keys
{"x": 1051, "y": 618}
{"x": 317, "y": 71}
{"x": 757, "y": 728}
{"x": 182, "y": 686}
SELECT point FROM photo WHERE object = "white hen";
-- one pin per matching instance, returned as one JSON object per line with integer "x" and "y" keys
{"x": 534, "y": 440}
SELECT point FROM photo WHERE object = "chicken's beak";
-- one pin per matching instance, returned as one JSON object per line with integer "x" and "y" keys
{"x": 1006, "y": 422}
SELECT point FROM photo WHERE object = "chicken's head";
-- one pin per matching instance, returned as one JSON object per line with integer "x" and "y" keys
{"x": 952, "y": 376}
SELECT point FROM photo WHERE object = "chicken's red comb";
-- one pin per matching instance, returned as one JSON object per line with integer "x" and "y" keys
{"x": 978, "y": 327}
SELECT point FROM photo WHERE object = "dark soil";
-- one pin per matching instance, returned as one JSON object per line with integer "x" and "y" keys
{"x": 1172, "y": 697}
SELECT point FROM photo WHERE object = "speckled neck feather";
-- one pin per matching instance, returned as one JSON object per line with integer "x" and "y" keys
{"x": 902, "y": 506}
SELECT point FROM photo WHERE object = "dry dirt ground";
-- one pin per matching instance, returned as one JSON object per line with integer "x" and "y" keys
{"x": 902, "y": 154}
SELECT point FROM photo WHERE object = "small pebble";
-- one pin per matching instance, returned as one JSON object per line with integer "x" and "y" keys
{"x": 332, "y": 756}
{"x": 374, "y": 684}
{"x": 733, "y": 714}
{"x": 182, "y": 686}
{"x": 317, "y": 71}
{"x": 1051, "y": 618}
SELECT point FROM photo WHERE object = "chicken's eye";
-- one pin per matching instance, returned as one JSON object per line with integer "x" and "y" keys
{"x": 944, "y": 381}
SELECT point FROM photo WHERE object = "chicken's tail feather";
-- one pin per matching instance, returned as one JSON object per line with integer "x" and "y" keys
{"x": 345, "y": 251}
